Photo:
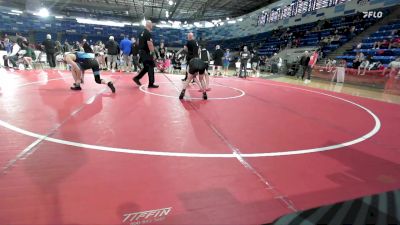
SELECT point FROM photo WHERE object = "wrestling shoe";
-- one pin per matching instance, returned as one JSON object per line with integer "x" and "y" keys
{"x": 182, "y": 94}
{"x": 76, "y": 87}
{"x": 111, "y": 86}
{"x": 205, "y": 97}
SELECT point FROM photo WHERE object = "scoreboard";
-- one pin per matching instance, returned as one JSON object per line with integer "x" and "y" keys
{"x": 295, "y": 8}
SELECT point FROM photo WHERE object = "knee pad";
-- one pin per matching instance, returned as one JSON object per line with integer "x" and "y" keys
{"x": 97, "y": 79}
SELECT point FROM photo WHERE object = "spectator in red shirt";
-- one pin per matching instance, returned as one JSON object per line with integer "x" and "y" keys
{"x": 395, "y": 43}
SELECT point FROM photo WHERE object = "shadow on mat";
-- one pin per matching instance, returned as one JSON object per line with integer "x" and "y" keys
{"x": 376, "y": 209}
{"x": 366, "y": 174}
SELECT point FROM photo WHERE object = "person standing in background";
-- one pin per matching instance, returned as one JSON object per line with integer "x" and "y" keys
{"x": 112, "y": 53}
{"x": 50, "y": 50}
{"x": 135, "y": 55}
{"x": 13, "y": 55}
{"x": 59, "y": 54}
{"x": 77, "y": 47}
{"x": 126, "y": 47}
{"x": 86, "y": 47}
{"x": 218, "y": 54}
{"x": 255, "y": 59}
{"x": 311, "y": 64}
{"x": 67, "y": 46}
{"x": 146, "y": 52}
{"x": 8, "y": 46}
{"x": 304, "y": 61}
{"x": 244, "y": 59}
{"x": 162, "y": 51}
{"x": 227, "y": 59}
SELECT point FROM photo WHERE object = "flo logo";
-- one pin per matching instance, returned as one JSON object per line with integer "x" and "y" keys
{"x": 146, "y": 217}
{"x": 373, "y": 14}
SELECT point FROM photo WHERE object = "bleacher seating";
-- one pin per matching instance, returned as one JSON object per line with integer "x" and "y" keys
{"x": 383, "y": 55}
{"x": 269, "y": 43}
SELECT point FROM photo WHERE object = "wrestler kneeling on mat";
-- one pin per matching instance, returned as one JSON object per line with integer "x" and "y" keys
{"x": 81, "y": 61}
{"x": 196, "y": 67}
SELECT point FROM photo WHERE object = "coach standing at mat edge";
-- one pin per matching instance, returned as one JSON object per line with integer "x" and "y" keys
{"x": 146, "y": 53}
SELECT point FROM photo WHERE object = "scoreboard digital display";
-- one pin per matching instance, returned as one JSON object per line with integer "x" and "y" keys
{"x": 295, "y": 8}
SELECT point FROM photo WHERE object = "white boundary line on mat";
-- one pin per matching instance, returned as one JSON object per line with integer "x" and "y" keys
{"x": 208, "y": 155}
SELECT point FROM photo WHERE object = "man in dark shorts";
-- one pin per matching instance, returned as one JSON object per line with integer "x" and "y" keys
{"x": 196, "y": 67}
{"x": 81, "y": 61}
{"x": 146, "y": 53}
{"x": 218, "y": 55}
{"x": 244, "y": 59}
{"x": 192, "y": 49}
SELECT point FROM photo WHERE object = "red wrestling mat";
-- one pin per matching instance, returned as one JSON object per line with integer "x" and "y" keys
{"x": 258, "y": 149}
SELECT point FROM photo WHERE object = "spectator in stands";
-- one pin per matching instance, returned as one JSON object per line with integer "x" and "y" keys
{"x": 13, "y": 55}
{"x": 384, "y": 43}
{"x": 325, "y": 41}
{"x": 296, "y": 42}
{"x": 319, "y": 25}
{"x": 394, "y": 67}
{"x": 126, "y": 47}
{"x": 112, "y": 53}
{"x": 135, "y": 55}
{"x": 304, "y": 61}
{"x": 49, "y": 48}
{"x": 364, "y": 65}
{"x": 336, "y": 38}
{"x": 394, "y": 43}
{"x": 336, "y": 31}
{"x": 327, "y": 24}
{"x": 227, "y": 60}
{"x": 358, "y": 59}
{"x": 351, "y": 32}
{"x": 289, "y": 41}
{"x": 329, "y": 65}
{"x": 218, "y": 55}
{"x": 376, "y": 66}
{"x": 86, "y": 47}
